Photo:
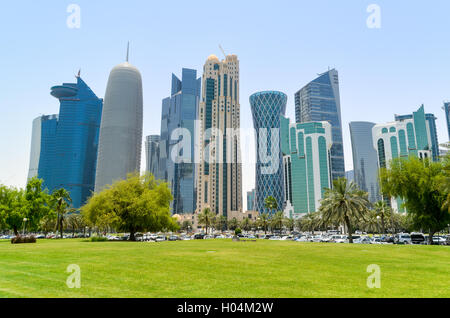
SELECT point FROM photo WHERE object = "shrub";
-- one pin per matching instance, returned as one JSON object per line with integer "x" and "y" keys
{"x": 98, "y": 239}
{"x": 237, "y": 231}
{"x": 23, "y": 239}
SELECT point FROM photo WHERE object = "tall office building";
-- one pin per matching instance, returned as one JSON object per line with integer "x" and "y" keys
{"x": 219, "y": 182}
{"x": 401, "y": 139}
{"x": 121, "y": 126}
{"x": 350, "y": 176}
{"x": 320, "y": 101}
{"x": 177, "y": 164}
{"x": 431, "y": 123}
{"x": 267, "y": 107}
{"x": 43, "y": 149}
{"x": 152, "y": 154}
{"x": 365, "y": 161}
{"x": 251, "y": 200}
{"x": 447, "y": 117}
{"x": 306, "y": 162}
{"x": 77, "y": 137}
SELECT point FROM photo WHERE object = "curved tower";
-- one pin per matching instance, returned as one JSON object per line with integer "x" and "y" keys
{"x": 267, "y": 107}
{"x": 121, "y": 127}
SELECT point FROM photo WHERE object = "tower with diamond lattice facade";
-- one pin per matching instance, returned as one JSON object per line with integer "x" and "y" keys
{"x": 266, "y": 110}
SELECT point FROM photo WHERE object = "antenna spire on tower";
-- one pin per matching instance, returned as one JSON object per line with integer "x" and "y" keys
{"x": 128, "y": 50}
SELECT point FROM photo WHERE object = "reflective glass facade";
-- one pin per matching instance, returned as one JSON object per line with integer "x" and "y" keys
{"x": 306, "y": 164}
{"x": 152, "y": 154}
{"x": 447, "y": 117}
{"x": 76, "y": 144}
{"x": 179, "y": 111}
{"x": 251, "y": 200}
{"x": 365, "y": 163}
{"x": 320, "y": 101}
{"x": 267, "y": 107}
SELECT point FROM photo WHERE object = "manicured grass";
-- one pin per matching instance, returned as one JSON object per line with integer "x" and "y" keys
{"x": 221, "y": 268}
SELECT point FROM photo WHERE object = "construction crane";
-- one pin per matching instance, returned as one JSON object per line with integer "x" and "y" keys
{"x": 223, "y": 51}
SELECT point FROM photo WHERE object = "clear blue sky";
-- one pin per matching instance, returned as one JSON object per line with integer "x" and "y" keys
{"x": 281, "y": 45}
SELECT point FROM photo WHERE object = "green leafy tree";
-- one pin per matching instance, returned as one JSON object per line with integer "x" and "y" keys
{"x": 419, "y": 183}
{"x": 270, "y": 203}
{"x": 139, "y": 203}
{"x": 75, "y": 222}
{"x": 36, "y": 203}
{"x": 12, "y": 211}
{"x": 344, "y": 203}
{"x": 206, "y": 218}
{"x": 310, "y": 222}
{"x": 221, "y": 223}
{"x": 371, "y": 224}
{"x": 233, "y": 224}
{"x": 186, "y": 225}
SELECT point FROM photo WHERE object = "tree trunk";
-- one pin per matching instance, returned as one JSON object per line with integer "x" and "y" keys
{"x": 382, "y": 225}
{"x": 430, "y": 237}
{"x": 61, "y": 227}
{"x": 132, "y": 237}
{"x": 349, "y": 230}
{"x": 16, "y": 233}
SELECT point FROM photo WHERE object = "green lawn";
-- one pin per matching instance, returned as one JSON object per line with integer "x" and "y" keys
{"x": 221, "y": 268}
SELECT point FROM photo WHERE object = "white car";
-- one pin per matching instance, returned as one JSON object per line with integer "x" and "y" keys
{"x": 275, "y": 238}
{"x": 338, "y": 238}
{"x": 402, "y": 238}
{"x": 363, "y": 240}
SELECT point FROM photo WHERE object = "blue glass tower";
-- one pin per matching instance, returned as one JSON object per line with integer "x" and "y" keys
{"x": 320, "y": 101}
{"x": 45, "y": 145}
{"x": 447, "y": 117}
{"x": 76, "y": 140}
{"x": 267, "y": 107}
{"x": 180, "y": 111}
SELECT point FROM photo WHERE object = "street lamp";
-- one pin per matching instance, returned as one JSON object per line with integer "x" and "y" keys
{"x": 24, "y": 221}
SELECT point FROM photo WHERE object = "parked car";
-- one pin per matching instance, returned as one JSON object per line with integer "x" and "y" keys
{"x": 199, "y": 236}
{"x": 338, "y": 238}
{"x": 160, "y": 239}
{"x": 439, "y": 240}
{"x": 447, "y": 240}
{"x": 402, "y": 238}
{"x": 363, "y": 240}
{"x": 174, "y": 238}
{"x": 417, "y": 238}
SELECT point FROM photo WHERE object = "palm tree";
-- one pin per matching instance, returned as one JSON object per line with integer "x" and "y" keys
{"x": 206, "y": 218}
{"x": 311, "y": 222}
{"x": 233, "y": 224}
{"x": 76, "y": 222}
{"x": 264, "y": 221}
{"x": 344, "y": 203}
{"x": 289, "y": 223}
{"x": 277, "y": 221}
{"x": 371, "y": 223}
{"x": 383, "y": 211}
{"x": 246, "y": 224}
{"x": 61, "y": 201}
{"x": 270, "y": 203}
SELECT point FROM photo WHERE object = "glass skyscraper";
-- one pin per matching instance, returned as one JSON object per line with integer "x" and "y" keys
{"x": 447, "y": 117}
{"x": 179, "y": 111}
{"x": 152, "y": 154}
{"x": 407, "y": 136}
{"x": 431, "y": 122}
{"x": 251, "y": 200}
{"x": 267, "y": 107}
{"x": 43, "y": 149}
{"x": 320, "y": 101}
{"x": 365, "y": 161}
{"x": 306, "y": 163}
{"x": 76, "y": 143}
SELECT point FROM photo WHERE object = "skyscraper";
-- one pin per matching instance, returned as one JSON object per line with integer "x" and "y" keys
{"x": 431, "y": 123}
{"x": 43, "y": 149}
{"x": 121, "y": 127}
{"x": 251, "y": 200}
{"x": 447, "y": 116}
{"x": 365, "y": 162}
{"x": 267, "y": 107}
{"x": 152, "y": 154}
{"x": 320, "y": 101}
{"x": 401, "y": 139}
{"x": 219, "y": 182}
{"x": 177, "y": 164}
{"x": 306, "y": 163}
{"x": 77, "y": 136}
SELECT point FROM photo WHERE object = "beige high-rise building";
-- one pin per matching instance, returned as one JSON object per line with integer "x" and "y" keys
{"x": 219, "y": 174}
